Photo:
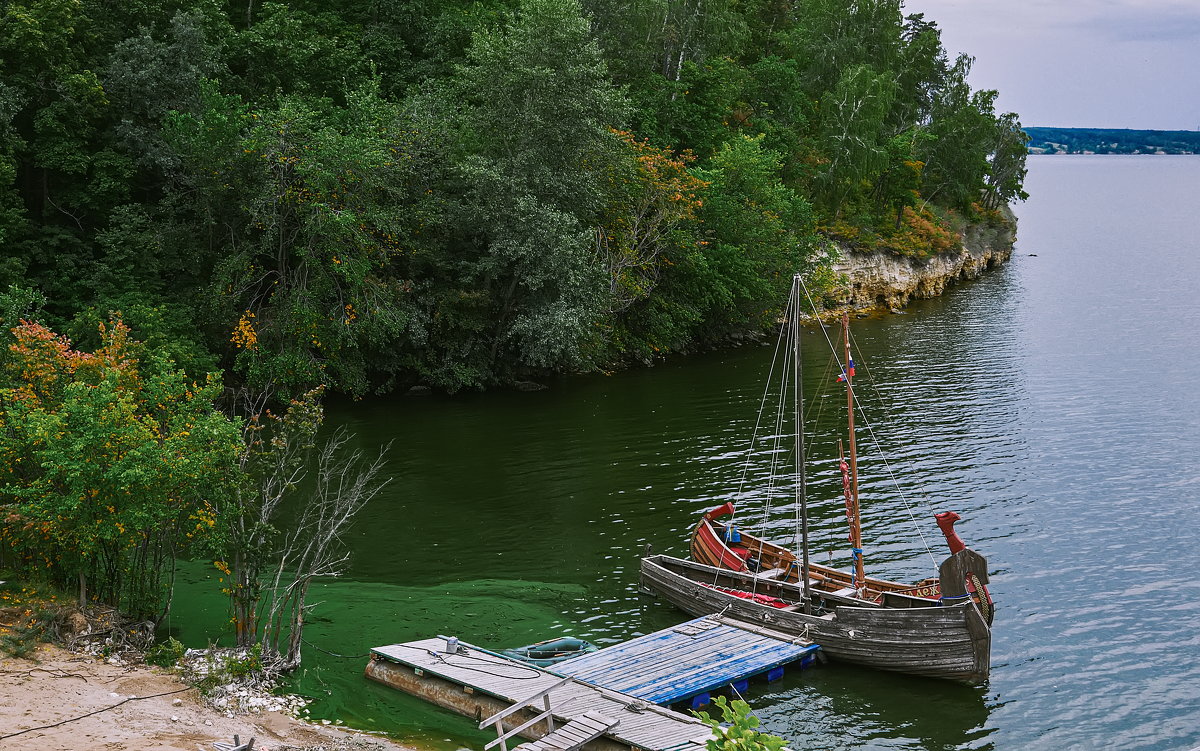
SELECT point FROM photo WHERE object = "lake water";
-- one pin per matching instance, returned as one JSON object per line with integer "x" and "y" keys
{"x": 1052, "y": 404}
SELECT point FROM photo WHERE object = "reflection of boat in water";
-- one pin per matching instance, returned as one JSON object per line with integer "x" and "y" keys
{"x": 551, "y": 651}
{"x": 938, "y": 627}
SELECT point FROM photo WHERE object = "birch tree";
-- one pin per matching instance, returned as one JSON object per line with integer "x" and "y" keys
{"x": 852, "y": 120}
{"x": 1006, "y": 166}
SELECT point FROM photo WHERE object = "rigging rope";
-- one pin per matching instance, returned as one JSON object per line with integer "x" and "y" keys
{"x": 777, "y": 437}
{"x": 762, "y": 405}
{"x": 826, "y": 533}
{"x": 758, "y": 420}
{"x": 874, "y": 439}
{"x": 886, "y": 464}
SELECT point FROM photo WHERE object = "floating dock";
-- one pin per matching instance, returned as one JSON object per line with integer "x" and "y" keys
{"x": 690, "y": 661}
{"x": 612, "y": 694}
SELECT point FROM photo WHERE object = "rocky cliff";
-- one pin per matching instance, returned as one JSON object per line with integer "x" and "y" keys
{"x": 881, "y": 279}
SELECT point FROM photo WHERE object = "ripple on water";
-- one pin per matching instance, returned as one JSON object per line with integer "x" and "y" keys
{"x": 1052, "y": 403}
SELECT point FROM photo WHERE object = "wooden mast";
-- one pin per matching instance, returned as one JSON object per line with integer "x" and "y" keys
{"x": 798, "y": 404}
{"x": 856, "y": 519}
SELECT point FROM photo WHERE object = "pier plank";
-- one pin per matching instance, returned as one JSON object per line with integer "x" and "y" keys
{"x": 621, "y": 684}
{"x": 676, "y": 663}
{"x": 650, "y": 727}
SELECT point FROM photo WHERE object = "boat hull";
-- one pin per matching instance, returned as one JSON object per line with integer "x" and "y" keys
{"x": 946, "y": 642}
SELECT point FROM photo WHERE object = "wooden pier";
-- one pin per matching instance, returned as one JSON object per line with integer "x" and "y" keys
{"x": 606, "y": 700}
{"x": 690, "y": 661}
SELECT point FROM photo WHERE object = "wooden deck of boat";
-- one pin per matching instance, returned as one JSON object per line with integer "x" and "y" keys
{"x": 480, "y": 681}
{"x": 683, "y": 661}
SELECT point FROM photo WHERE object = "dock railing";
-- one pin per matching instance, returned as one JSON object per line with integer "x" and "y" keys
{"x": 497, "y": 720}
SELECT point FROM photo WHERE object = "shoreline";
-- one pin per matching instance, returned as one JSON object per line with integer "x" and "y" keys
{"x": 883, "y": 281}
{"x": 74, "y": 702}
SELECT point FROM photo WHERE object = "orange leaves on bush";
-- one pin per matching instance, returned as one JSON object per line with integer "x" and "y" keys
{"x": 665, "y": 174}
{"x": 244, "y": 336}
{"x": 44, "y": 361}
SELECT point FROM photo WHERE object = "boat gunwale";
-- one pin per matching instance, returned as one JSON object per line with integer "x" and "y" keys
{"x": 842, "y": 602}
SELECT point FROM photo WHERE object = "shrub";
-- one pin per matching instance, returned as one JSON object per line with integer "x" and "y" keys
{"x": 21, "y": 638}
{"x": 165, "y": 654}
{"x": 738, "y": 733}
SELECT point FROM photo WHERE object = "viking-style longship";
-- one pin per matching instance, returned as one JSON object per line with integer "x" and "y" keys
{"x": 938, "y": 627}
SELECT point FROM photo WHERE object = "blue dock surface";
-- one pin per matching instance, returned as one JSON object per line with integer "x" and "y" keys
{"x": 688, "y": 660}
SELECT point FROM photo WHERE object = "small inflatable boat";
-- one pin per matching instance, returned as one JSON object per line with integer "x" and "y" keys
{"x": 546, "y": 653}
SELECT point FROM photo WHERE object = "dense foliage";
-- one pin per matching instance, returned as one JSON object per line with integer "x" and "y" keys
{"x": 1112, "y": 141}
{"x": 113, "y": 464}
{"x": 116, "y": 465}
{"x": 463, "y": 192}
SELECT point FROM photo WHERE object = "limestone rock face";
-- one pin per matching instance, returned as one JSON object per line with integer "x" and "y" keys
{"x": 880, "y": 279}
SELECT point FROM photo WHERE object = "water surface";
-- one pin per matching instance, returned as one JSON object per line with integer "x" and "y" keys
{"x": 1052, "y": 404}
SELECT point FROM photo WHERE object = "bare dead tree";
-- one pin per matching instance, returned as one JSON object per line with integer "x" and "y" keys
{"x": 315, "y": 545}
{"x": 287, "y": 523}
{"x": 273, "y": 463}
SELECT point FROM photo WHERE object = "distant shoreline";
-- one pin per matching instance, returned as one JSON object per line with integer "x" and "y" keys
{"x": 1112, "y": 153}
{"x": 1110, "y": 141}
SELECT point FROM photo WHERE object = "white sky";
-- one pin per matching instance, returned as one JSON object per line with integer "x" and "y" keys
{"x": 1080, "y": 63}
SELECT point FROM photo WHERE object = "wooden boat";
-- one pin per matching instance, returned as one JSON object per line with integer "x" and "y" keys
{"x": 709, "y": 545}
{"x": 938, "y": 627}
{"x": 904, "y": 634}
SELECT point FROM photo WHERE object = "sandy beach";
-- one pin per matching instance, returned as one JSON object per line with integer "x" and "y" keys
{"x": 137, "y": 707}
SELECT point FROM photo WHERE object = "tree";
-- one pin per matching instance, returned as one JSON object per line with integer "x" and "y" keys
{"x": 283, "y": 530}
{"x": 313, "y": 204}
{"x": 852, "y": 116}
{"x": 898, "y": 186}
{"x": 831, "y": 37}
{"x": 661, "y": 36}
{"x": 12, "y": 211}
{"x": 1006, "y": 168}
{"x": 113, "y": 464}
{"x": 539, "y": 103}
{"x": 373, "y": 195}
{"x": 700, "y": 110}
{"x": 757, "y": 233}
{"x": 651, "y": 213}
{"x": 66, "y": 176}
{"x": 920, "y": 73}
{"x": 962, "y": 130}
{"x": 538, "y": 107}
{"x": 285, "y": 49}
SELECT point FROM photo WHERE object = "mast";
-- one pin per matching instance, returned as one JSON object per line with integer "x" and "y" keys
{"x": 856, "y": 518}
{"x": 798, "y": 404}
